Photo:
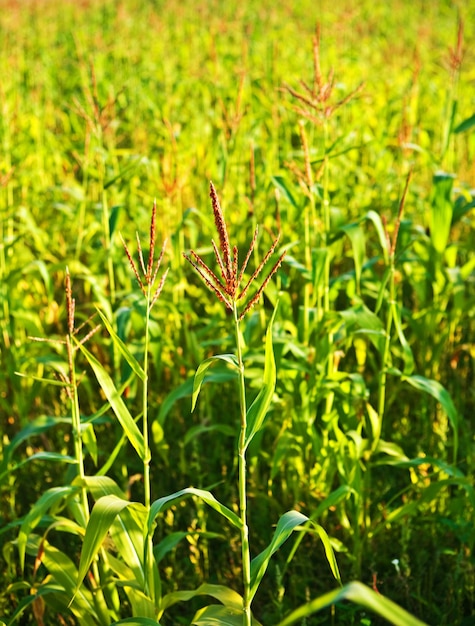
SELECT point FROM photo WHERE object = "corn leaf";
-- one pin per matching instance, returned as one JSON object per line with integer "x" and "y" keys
{"x": 258, "y": 409}
{"x": 360, "y": 594}
{"x": 44, "y": 504}
{"x": 441, "y": 211}
{"x": 230, "y": 359}
{"x": 126, "y": 353}
{"x": 286, "y": 524}
{"x": 102, "y": 517}
{"x": 221, "y": 616}
{"x": 138, "y": 621}
{"x": 117, "y": 404}
{"x": 163, "y": 503}
{"x": 225, "y": 595}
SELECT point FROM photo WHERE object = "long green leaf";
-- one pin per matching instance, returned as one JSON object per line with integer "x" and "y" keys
{"x": 286, "y": 524}
{"x": 118, "y": 405}
{"x": 138, "y": 621}
{"x": 225, "y": 595}
{"x": 280, "y": 183}
{"x": 64, "y": 573}
{"x": 220, "y": 616}
{"x": 442, "y": 209}
{"x": 163, "y": 503}
{"x": 466, "y": 124}
{"x": 359, "y": 594}
{"x": 102, "y": 517}
{"x": 128, "y": 356}
{"x": 374, "y": 217}
{"x": 356, "y": 235}
{"x": 329, "y": 553}
{"x": 437, "y": 391}
{"x": 258, "y": 409}
{"x": 230, "y": 359}
{"x": 47, "y": 501}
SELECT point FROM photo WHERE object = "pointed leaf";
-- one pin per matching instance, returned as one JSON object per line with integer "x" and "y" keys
{"x": 356, "y": 235}
{"x": 329, "y": 553}
{"x": 163, "y": 503}
{"x": 100, "y": 486}
{"x": 466, "y": 124}
{"x": 258, "y": 409}
{"x": 102, "y": 517}
{"x": 360, "y": 594}
{"x": 138, "y": 621}
{"x": 128, "y": 356}
{"x": 220, "y": 616}
{"x": 118, "y": 405}
{"x": 286, "y": 524}
{"x": 230, "y": 359}
{"x": 374, "y": 217}
{"x": 225, "y": 595}
{"x": 280, "y": 183}
{"x": 437, "y": 391}
{"x": 47, "y": 500}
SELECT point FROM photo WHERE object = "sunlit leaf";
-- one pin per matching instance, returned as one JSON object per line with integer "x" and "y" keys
{"x": 441, "y": 210}
{"x": 163, "y": 503}
{"x": 47, "y": 501}
{"x": 118, "y": 405}
{"x": 124, "y": 350}
{"x": 102, "y": 517}
{"x": 360, "y": 594}
{"x": 258, "y": 409}
{"x": 286, "y": 524}
{"x": 229, "y": 359}
{"x": 223, "y": 594}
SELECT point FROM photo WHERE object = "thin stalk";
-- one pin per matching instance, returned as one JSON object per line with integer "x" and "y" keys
{"x": 149, "y": 579}
{"x": 245, "y": 552}
{"x": 326, "y": 274}
{"x": 76, "y": 425}
{"x": 387, "y": 341}
{"x": 147, "y": 457}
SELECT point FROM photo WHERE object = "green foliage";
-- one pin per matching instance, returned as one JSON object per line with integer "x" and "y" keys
{"x": 330, "y": 436}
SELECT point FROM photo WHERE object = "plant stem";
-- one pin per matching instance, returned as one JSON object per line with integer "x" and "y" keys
{"x": 146, "y": 460}
{"x": 387, "y": 342}
{"x": 246, "y": 557}
{"x": 149, "y": 578}
{"x": 76, "y": 426}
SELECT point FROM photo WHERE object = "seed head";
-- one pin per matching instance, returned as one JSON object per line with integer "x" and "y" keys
{"x": 226, "y": 288}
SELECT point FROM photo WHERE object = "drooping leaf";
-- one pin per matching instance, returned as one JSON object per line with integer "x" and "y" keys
{"x": 286, "y": 524}
{"x": 118, "y": 405}
{"x": 223, "y": 594}
{"x": 437, "y": 391}
{"x": 218, "y": 615}
{"x": 280, "y": 184}
{"x": 375, "y": 218}
{"x": 230, "y": 359}
{"x": 102, "y": 517}
{"x": 359, "y": 594}
{"x": 329, "y": 553}
{"x": 163, "y": 503}
{"x": 48, "y": 500}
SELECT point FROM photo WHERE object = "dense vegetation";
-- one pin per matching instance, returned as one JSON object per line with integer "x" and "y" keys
{"x": 343, "y": 131}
